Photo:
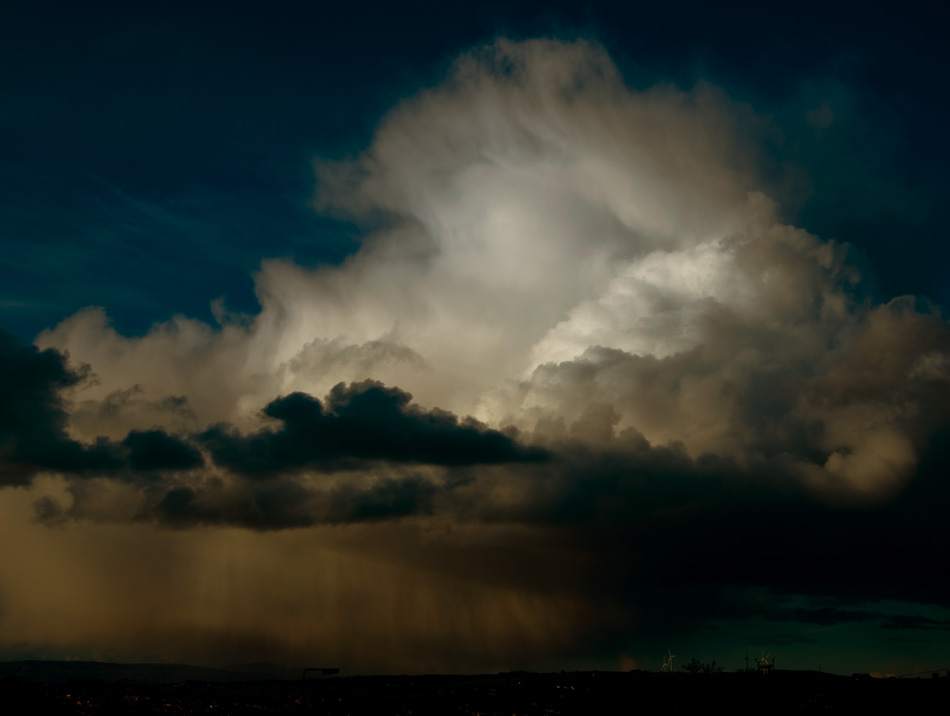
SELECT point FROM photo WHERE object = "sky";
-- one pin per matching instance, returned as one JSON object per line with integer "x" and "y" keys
{"x": 466, "y": 340}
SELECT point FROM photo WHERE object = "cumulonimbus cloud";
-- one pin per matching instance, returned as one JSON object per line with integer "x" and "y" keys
{"x": 663, "y": 377}
{"x": 543, "y": 243}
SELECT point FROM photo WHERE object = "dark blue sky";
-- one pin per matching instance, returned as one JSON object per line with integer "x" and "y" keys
{"x": 152, "y": 156}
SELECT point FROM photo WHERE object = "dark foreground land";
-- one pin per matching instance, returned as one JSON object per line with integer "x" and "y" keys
{"x": 510, "y": 693}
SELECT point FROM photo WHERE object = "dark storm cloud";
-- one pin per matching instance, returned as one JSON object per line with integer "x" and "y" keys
{"x": 361, "y": 423}
{"x": 387, "y": 499}
{"x": 281, "y": 504}
{"x": 33, "y": 425}
{"x": 157, "y": 450}
{"x": 677, "y": 542}
{"x": 33, "y": 420}
{"x": 360, "y": 427}
{"x": 286, "y": 502}
{"x": 695, "y": 540}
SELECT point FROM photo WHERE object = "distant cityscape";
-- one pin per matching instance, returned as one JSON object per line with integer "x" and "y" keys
{"x": 97, "y": 688}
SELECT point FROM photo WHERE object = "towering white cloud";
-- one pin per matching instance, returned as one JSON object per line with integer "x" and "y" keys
{"x": 549, "y": 241}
